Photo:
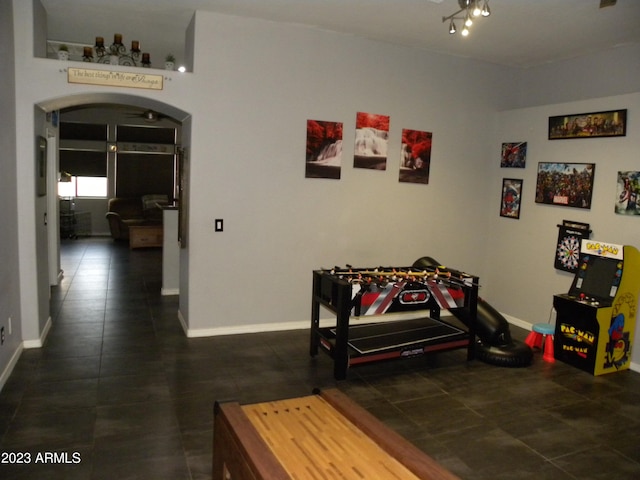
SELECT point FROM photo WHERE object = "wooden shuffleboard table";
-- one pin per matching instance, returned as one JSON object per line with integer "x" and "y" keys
{"x": 320, "y": 436}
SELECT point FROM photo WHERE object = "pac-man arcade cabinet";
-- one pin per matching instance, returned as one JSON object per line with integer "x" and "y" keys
{"x": 596, "y": 320}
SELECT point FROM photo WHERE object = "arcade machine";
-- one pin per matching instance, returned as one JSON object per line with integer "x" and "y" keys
{"x": 596, "y": 320}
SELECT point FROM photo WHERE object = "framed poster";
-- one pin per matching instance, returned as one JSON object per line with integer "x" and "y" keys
{"x": 510, "y": 200}
{"x": 627, "y": 192}
{"x": 612, "y": 123}
{"x": 513, "y": 155}
{"x": 566, "y": 184}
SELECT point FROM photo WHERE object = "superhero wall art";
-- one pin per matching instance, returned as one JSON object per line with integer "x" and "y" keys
{"x": 627, "y": 191}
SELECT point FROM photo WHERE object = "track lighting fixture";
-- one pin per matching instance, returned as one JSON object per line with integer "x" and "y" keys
{"x": 471, "y": 9}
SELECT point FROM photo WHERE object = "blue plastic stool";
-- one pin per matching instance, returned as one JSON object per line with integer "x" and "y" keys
{"x": 542, "y": 334}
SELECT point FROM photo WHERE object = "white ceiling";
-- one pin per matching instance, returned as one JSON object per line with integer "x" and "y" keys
{"x": 521, "y": 33}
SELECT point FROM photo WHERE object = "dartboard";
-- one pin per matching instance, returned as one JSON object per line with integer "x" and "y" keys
{"x": 568, "y": 252}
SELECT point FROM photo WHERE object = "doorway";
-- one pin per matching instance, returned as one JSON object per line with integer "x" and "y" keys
{"x": 108, "y": 109}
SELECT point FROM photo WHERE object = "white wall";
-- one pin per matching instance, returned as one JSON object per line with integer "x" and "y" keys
{"x": 602, "y": 74}
{"x": 9, "y": 291}
{"x": 264, "y": 80}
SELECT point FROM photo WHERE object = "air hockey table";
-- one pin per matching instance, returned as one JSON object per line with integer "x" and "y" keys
{"x": 324, "y": 435}
{"x": 362, "y": 298}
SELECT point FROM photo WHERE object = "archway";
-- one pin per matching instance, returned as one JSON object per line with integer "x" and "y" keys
{"x": 48, "y": 256}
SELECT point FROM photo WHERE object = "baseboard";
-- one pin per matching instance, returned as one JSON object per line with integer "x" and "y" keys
{"x": 518, "y": 322}
{"x": 6, "y": 373}
{"x": 169, "y": 291}
{"x": 241, "y": 329}
{"x": 279, "y": 327}
{"x": 183, "y": 324}
{"x": 43, "y": 336}
{"x": 283, "y": 326}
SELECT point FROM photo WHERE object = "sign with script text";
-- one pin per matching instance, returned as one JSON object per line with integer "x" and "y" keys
{"x": 115, "y": 79}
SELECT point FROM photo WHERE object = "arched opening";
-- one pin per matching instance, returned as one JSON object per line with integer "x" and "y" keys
{"x": 107, "y": 108}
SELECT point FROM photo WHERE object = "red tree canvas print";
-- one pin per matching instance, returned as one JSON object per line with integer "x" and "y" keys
{"x": 372, "y": 136}
{"x": 324, "y": 149}
{"x": 415, "y": 157}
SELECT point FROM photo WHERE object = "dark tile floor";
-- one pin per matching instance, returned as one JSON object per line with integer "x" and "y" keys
{"x": 118, "y": 392}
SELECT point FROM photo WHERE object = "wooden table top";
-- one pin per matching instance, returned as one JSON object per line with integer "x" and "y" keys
{"x": 312, "y": 440}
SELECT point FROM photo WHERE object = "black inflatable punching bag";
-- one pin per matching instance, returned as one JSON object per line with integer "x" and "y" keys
{"x": 496, "y": 345}
{"x": 492, "y": 328}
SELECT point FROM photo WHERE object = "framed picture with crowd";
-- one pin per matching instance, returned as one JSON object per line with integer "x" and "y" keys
{"x": 612, "y": 123}
{"x": 566, "y": 184}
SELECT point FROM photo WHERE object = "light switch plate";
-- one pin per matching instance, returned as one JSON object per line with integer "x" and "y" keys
{"x": 218, "y": 225}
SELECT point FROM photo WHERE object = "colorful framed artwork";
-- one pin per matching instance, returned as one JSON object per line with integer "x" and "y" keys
{"x": 627, "y": 193}
{"x": 612, "y": 123}
{"x": 513, "y": 155}
{"x": 324, "y": 149}
{"x": 566, "y": 184}
{"x": 510, "y": 199}
{"x": 415, "y": 156}
{"x": 372, "y": 137}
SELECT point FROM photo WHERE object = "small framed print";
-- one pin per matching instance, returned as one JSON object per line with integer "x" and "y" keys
{"x": 510, "y": 198}
{"x": 513, "y": 155}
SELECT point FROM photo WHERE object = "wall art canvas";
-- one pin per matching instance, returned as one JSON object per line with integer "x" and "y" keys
{"x": 372, "y": 137}
{"x": 514, "y": 155}
{"x": 324, "y": 149}
{"x": 511, "y": 196}
{"x": 628, "y": 191}
{"x": 567, "y": 184}
{"x": 415, "y": 156}
{"x": 612, "y": 123}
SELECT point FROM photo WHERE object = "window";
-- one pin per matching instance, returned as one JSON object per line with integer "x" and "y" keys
{"x": 83, "y": 187}
{"x": 83, "y": 160}
{"x": 100, "y": 160}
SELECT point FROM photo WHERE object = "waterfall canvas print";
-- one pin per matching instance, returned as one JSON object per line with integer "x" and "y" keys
{"x": 372, "y": 136}
{"x": 415, "y": 156}
{"x": 324, "y": 149}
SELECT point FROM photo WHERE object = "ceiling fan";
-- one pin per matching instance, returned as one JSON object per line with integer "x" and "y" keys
{"x": 149, "y": 116}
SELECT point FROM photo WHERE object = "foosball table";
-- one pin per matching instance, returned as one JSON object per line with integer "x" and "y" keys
{"x": 360, "y": 298}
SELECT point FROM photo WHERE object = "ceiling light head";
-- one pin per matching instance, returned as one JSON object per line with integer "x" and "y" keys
{"x": 485, "y": 9}
{"x": 469, "y": 9}
{"x": 476, "y": 8}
